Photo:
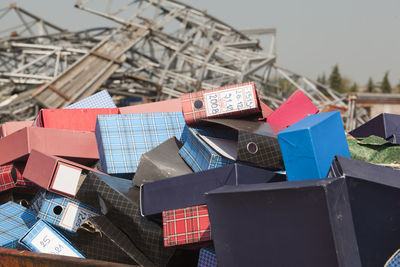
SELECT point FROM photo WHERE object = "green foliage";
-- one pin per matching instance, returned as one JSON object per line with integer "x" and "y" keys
{"x": 354, "y": 88}
{"x": 322, "y": 79}
{"x": 343, "y": 84}
{"x": 335, "y": 80}
{"x": 385, "y": 86}
{"x": 370, "y": 85}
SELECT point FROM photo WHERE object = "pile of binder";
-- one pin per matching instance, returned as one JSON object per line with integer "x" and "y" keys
{"x": 213, "y": 178}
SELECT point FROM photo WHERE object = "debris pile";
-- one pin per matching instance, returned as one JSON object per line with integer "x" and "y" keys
{"x": 230, "y": 160}
{"x": 213, "y": 178}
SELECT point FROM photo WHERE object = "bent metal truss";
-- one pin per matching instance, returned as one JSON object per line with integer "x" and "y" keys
{"x": 159, "y": 50}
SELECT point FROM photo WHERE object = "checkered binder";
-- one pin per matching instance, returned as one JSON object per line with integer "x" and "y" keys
{"x": 6, "y": 177}
{"x": 15, "y": 220}
{"x": 207, "y": 257}
{"x": 101, "y": 99}
{"x": 231, "y": 101}
{"x": 197, "y": 154}
{"x": 186, "y": 226}
{"x": 14, "y": 172}
{"x": 42, "y": 237}
{"x": 394, "y": 261}
{"x": 256, "y": 142}
{"x": 122, "y": 139}
{"x": 268, "y": 151}
{"x": 60, "y": 211}
{"x": 120, "y": 198}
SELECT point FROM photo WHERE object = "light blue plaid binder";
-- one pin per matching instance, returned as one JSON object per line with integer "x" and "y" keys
{"x": 197, "y": 154}
{"x": 101, "y": 99}
{"x": 15, "y": 220}
{"x": 52, "y": 241}
{"x": 123, "y": 138}
{"x": 53, "y": 208}
{"x": 394, "y": 261}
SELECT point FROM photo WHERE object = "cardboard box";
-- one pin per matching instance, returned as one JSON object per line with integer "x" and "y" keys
{"x": 161, "y": 162}
{"x": 118, "y": 199}
{"x": 100, "y": 99}
{"x": 42, "y": 237}
{"x": 15, "y": 220}
{"x": 294, "y": 109}
{"x": 374, "y": 193}
{"x": 256, "y": 143}
{"x": 71, "y": 119}
{"x": 188, "y": 190}
{"x": 230, "y": 101}
{"x": 299, "y": 223}
{"x": 10, "y": 127}
{"x": 186, "y": 226}
{"x": 99, "y": 239}
{"x": 171, "y": 105}
{"x": 198, "y": 154}
{"x": 309, "y": 146}
{"x": 384, "y": 125}
{"x": 55, "y": 174}
{"x": 62, "y": 212}
{"x": 77, "y": 146}
{"x": 122, "y": 139}
{"x": 207, "y": 257}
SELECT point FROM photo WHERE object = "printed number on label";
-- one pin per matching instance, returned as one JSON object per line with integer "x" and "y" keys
{"x": 230, "y": 100}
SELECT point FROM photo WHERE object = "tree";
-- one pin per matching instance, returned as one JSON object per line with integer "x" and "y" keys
{"x": 335, "y": 80}
{"x": 346, "y": 84}
{"x": 385, "y": 86}
{"x": 370, "y": 85}
{"x": 323, "y": 79}
{"x": 354, "y": 88}
{"x": 319, "y": 79}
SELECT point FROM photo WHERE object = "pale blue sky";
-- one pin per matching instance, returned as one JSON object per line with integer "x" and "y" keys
{"x": 361, "y": 36}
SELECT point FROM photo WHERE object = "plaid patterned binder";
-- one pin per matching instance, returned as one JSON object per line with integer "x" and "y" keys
{"x": 268, "y": 152}
{"x": 44, "y": 238}
{"x": 6, "y": 177}
{"x": 186, "y": 226}
{"x": 256, "y": 142}
{"x": 101, "y": 99}
{"x": 119, "y": 200}
{"x": 207, "y": 257}
{"x": 15, "y": 220}
{"x": 60, "y": 211}
{"x": 394, "y": 261}
{"x": 197, "y": 154}
{"x": 122, "y": 139}
{"x": 16, "y": 172}
{"x": 229, "y": 101}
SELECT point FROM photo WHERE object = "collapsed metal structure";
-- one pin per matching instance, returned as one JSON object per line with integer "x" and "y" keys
{"x": 161, "y": 49}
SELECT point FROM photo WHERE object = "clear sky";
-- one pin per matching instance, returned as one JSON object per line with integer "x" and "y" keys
{"x": 361, "y": 36}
